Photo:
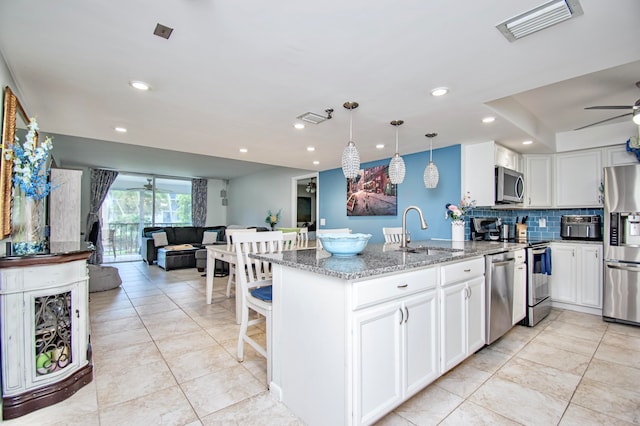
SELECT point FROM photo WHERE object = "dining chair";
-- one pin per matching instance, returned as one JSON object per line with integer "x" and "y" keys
{"x": 255, "y": 286}
{"x": 231, "y": 280}
{"x": 303, "y": 237}
{"x": 330, "y": 231}
{"x": 289, "y": 240}
{"x": 392, "y": 235}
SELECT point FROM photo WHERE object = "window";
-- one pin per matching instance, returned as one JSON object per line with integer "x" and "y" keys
{"x": 137, "y": 201}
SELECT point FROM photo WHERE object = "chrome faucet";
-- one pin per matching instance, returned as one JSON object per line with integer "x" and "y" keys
{"x": 423, "y": 224}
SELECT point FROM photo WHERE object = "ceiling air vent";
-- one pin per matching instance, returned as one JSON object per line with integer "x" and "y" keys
{"x": 313, "y": 118}
{"x": 163, "y": 31}
{"x": 541, "y": 17}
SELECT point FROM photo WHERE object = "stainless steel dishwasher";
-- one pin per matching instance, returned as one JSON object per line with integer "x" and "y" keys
{"x": 499, "y": 278}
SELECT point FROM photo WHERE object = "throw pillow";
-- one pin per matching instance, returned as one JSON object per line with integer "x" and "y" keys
{"x": 160, "y": 239}
{"x": 209, "y": 237}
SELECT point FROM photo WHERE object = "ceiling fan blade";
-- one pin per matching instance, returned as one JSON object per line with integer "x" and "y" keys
{"x": 611, "y": 107}
{"x": 603, "y": 121}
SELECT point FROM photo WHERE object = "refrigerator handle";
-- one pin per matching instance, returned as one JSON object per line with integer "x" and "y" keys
{"x": 624, "y": 268}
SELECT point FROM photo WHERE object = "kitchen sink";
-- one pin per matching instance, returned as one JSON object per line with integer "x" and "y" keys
{"x": 432, "y": 251}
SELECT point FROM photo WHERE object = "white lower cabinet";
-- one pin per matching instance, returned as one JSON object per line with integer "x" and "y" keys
{"x": 462, "y": 312}
{"x": 576, "y": 278}
{"x": 519, "y": 293}
{"x": 396, "y": 353}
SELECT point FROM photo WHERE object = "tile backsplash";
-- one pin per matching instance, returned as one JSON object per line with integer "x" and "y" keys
{"x": 534, "y": 230}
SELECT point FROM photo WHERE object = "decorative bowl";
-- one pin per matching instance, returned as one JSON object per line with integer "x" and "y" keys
{"x": 344, "y": 245}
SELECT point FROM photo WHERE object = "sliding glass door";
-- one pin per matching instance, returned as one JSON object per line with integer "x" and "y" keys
{"x": 138, "y": 201}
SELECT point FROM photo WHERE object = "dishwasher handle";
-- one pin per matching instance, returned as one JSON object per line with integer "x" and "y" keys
{"x": 502, "y": 262}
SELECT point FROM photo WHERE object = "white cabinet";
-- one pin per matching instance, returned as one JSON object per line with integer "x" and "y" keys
{"x": 576, "y": 278}
{"x": 395, "y": 354}
{"x": 578, "y": 178}
{"x": 478, "y": 172}
{"x": 618, "y": 156}
{"x": 462, "y": 311}
{"x": 506, "y": 158}
{"x": 45, "y": 331}
{"x": 538, "y": 181}
{"x": 519, "y": 287}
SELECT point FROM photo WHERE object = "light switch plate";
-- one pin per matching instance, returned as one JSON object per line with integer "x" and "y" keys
{"x": 542, "y": 222}
{"x": 322, "y": 221}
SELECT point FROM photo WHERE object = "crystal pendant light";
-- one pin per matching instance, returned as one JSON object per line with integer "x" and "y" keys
{"x": 431, "y": 174}
{"x": 396, "y": 166}
{"x": 350, "y": 156}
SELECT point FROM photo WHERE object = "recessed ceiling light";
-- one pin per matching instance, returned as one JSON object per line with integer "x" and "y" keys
{"x": 311, "y": 148}
{"x": 380, "y": 146}
{"x": 120, "y": 129}
{"x": 244, "y": 150}
{"x": 140, "y": 85}
{"x": 488, "y": 119}
{"x": 299, "y": 126}
{"x": 527, "y": 142}
{"x": 315, "y": 163}
{"x": 439, "y": 91}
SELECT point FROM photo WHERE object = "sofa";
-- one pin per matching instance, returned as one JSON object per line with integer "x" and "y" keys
{"x": 194, "y": 235}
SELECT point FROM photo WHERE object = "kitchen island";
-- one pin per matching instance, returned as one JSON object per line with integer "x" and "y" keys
{"x": 355, "y": 337}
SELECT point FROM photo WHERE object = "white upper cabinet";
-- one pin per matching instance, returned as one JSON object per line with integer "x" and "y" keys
{"x": 578, "y": 178}
{"x": 506, "y": 158}
{"x": 538, "y": 176}
{"x": 618, "y": 156}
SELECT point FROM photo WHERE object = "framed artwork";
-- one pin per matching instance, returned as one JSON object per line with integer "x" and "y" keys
{"x": 371, "y": 193}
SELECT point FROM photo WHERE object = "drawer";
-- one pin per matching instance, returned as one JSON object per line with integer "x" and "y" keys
{"x": 373, "y": 291}
{"x": 520, "y": 256}
{"x": 461, "y": 271}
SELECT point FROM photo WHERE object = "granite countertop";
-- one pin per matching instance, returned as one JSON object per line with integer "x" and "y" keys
{"x": 378, "y": 259}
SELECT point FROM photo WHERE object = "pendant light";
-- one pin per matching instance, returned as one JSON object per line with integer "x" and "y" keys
{"x": 396, "y": 166}
{"x": 431, "y": 175}
{"x": 350, "y": 155}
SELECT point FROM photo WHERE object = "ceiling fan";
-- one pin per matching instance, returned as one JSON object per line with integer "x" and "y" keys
{"x": 147, "y": 187}
{"x": 635, "y": 111}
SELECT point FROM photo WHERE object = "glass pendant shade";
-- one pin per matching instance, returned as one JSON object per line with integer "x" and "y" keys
{"x": 431, "y": 174}
{"x": 350, "y": 161}
{"x": 396, "y": 166}
{"x": 350, "y": 155}
{"x": 396, "y": 169}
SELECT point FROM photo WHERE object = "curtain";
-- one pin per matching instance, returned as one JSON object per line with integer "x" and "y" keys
{"x": 198, "y": 202}
{"x": 101, "y": 181}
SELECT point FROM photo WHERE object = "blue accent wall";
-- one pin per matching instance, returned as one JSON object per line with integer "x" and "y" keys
{"x": 333, "y": 197}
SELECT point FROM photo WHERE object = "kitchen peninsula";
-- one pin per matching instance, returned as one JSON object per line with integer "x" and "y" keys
{"x": 355, "y": 337}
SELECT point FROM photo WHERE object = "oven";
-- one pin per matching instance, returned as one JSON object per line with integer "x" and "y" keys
{"x": 538, "y": 273}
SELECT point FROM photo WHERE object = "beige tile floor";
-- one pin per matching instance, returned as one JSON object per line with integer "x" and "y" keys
{"x": 162, "y": 356}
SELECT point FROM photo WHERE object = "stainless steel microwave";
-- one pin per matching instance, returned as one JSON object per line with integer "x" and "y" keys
{"x": 509, "y": 186}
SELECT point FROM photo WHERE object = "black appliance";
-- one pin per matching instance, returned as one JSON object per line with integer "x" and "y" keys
{"x": 581, "y": 227}
{"x": 485, "y": 228}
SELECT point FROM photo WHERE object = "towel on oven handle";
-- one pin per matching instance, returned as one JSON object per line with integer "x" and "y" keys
{"x": 545, "y": 261}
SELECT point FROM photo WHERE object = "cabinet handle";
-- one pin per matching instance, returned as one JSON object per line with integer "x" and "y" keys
{"x": 407, "y": 312}
{"x": 467, "y": 270}
{"x": 77, "y": 313}
{"x": 403, "y": 286}
{"x": 401, "y": 315}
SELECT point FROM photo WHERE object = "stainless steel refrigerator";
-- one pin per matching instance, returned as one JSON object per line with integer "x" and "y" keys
{"x": 621, "y": 293}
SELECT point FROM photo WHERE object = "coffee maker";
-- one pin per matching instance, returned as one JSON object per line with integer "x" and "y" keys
{"x": 486, "y": 228}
